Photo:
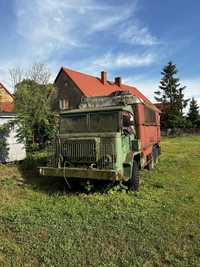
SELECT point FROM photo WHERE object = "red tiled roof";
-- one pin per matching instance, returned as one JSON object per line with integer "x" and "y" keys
{"x": 93, "y": 86}
{"x": 6, "y": 107}
{"x": 1, "y": 85}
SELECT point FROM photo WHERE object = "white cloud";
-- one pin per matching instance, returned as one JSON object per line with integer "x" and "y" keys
{"x": 113, "y": 61}
{"x": 106, "y": 22}
{"x": 133, "y": 34}
{"x": 48, "y": 26}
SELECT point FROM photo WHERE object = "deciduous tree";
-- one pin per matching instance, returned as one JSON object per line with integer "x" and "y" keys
{"x": 35, "y": 119}
{"x": 38, "y": 73}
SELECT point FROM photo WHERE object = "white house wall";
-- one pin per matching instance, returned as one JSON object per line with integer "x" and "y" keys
{"x": 16, "y": 150}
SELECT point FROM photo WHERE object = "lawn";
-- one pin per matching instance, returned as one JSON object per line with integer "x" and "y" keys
{"x": 41, "y": 224}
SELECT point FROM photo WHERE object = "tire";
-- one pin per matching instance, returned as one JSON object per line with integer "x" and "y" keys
{"x": 134, "y": 180}
{"x": 155, "y": 155}
{"x": 154, "y": 159}
{"x": 151, "y": 164}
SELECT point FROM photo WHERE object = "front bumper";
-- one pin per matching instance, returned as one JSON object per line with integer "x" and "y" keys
{"x": 82, "y": 173}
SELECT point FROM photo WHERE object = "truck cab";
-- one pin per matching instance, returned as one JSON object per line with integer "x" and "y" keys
{"x": 102, "y": 140}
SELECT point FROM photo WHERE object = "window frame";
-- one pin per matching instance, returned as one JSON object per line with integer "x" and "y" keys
{"x": 149, "y": 116}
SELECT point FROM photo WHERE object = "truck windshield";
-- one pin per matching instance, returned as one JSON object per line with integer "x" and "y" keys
{"x": 90, "y": 122}
{"x": 73, "y": 124}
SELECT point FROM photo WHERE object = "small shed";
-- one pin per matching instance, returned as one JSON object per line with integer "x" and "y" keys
{"x": 15, "y": 151}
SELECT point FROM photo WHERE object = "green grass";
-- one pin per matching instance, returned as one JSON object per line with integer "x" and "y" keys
{"x": 42, "y": 225}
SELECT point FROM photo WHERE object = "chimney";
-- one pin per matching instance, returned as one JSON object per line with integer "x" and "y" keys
{"x": 104, "y": 77}
{"x": 118, "y": 81}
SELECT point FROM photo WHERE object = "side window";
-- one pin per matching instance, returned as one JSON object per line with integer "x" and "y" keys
{"x": 128, "y": 119}
{"x": 149, "y": 116}
{"x": 128, "y": 122}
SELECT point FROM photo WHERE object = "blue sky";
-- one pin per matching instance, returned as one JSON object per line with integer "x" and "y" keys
{"x": 131, "y": 38}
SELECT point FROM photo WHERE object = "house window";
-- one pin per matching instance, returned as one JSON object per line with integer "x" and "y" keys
{"x": 66, "y": 84}
{"x": 64, "y": 104}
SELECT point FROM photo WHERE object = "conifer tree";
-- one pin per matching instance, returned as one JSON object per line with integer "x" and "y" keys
{"x": 171, "y": 95}
{"x": 193, "y": 114}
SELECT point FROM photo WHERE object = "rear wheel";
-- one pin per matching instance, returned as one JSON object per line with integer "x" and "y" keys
{"x": 151, "y": 164}
{"x": 134, "y": 181}
{"x": 154, "y": 159}
{"x": 155, "y": 155}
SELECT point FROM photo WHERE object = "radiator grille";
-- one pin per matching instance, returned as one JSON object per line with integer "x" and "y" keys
{"x": 102, "y": 153}
{"x": 107, "y": 157}
{"x": 53, "y": 151}
{"x": 79, "y": 150}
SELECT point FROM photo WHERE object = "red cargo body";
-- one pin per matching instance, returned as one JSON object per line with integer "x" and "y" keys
{"x": 147, "y": 127}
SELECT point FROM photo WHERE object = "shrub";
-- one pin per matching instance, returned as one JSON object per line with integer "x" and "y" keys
{"x": 35, "y": 159}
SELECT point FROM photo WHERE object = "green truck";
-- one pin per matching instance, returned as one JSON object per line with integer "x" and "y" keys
{"x": 102, "y": 140}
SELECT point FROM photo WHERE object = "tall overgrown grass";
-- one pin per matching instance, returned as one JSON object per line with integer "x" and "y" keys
{"x": 42, "y": 224}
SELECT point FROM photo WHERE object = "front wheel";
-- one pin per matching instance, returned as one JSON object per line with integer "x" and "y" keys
{"x": 134, "y": 180}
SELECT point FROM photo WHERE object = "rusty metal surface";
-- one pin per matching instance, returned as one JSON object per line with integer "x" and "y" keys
{"x": 79, "y": 150}
{"x": 82, "y": 173}
{"x": 99, "y": 152}
{"x": 108, "y": 101}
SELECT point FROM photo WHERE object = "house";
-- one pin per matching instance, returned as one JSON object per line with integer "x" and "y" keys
{"x": 73, "y": 85}
{"x": 6, "y": 99}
